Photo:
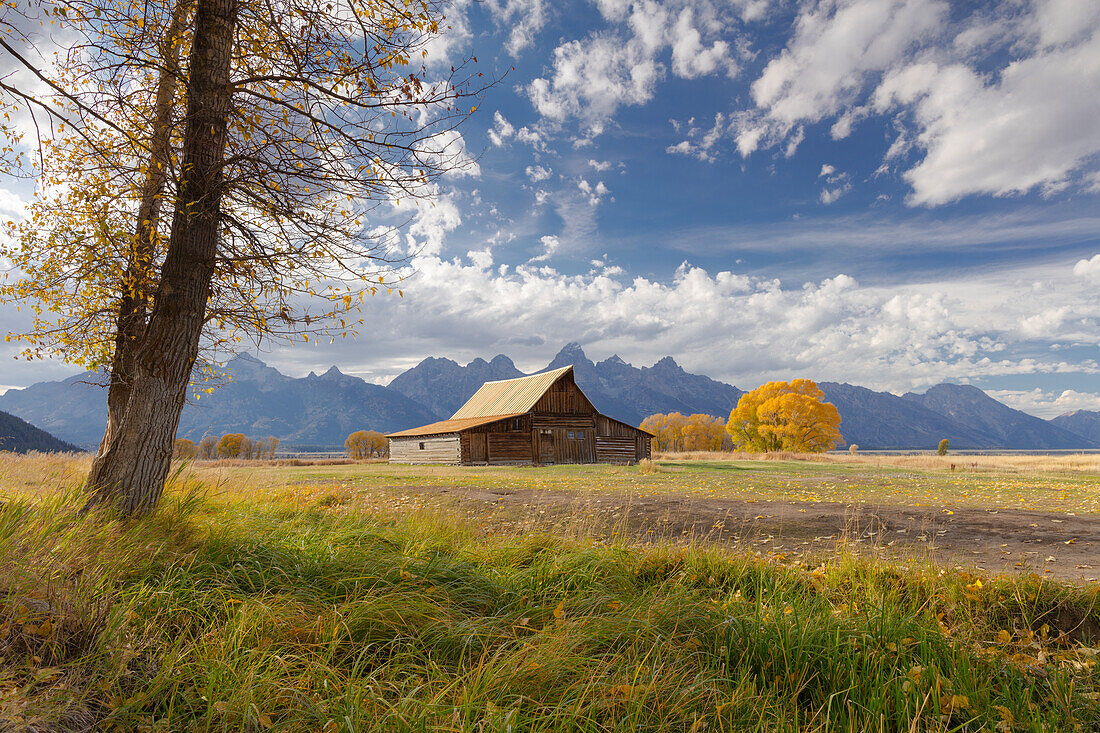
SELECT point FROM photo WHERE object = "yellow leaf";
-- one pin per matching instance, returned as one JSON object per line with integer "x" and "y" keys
{"x": 1003, "y": 637}
{"x": 960, "y": 701}
{"x": 265, "y": 721}
{"x": 560, "y": 610}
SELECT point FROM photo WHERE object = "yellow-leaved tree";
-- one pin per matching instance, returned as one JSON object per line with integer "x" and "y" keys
{"x": 366, "y": 444}
{"x": 677, "y": 432}
{"x": 236, "y": 161}
{"x": 787, "y": 416}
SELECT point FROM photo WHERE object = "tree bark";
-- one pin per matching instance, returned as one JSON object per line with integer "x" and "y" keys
{"x": 133, "y": 305}
{"x": 132, "y": 469}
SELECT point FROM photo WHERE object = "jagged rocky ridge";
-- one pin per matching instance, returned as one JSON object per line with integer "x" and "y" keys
{"x": 320, "y": 410}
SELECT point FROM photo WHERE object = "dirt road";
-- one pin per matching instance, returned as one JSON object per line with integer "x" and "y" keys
{"x": 1055, "y": 545}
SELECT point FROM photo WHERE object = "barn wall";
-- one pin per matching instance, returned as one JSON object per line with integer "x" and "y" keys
{"x": 437, "y": 449}
{"x": 509, "y": 448}
{"x": 504, "y": 442}
{"x": 541, "y": 436}
{"x": 618, "y": 442}
{"x": 616, "y": 450}
{"x": 613, "y": 428}
{"x": 565, "y": 397}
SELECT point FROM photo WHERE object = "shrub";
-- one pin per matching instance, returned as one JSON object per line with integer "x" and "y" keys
{"x": 185, "y": 449}
{"x": 941, "y": 449}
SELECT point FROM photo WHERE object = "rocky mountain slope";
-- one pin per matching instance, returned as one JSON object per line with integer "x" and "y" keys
{"x": 20, "y": 436}
{"x": 75, "y": 409}
{"x": 320, "y": 410}
{"x": 258, "y": 400}
{"x": 1000, "y": 425}
{"x": 1081, "y": 422}
{"x": 872, "y": 419}
{"x": 442, "y": 385}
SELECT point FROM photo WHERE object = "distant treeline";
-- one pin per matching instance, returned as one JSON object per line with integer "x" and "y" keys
{"x": 230, "y": 445}
{"x": 361, "y": 444}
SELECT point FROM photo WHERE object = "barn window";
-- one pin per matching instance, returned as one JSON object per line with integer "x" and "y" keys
{"x": 517, "y": 423}
{"x": 570, "y": 434}
{"x": 421, "y": 446}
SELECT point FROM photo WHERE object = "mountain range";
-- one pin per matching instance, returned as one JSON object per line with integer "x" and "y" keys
{"x": 321, "y": 410}
{"x": 19, "y": 436}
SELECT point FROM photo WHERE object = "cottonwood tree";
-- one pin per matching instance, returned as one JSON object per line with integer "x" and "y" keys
{"x": 677, "y": 432}
{"x": 785, "y": 416}
{"x": 298, "y": 120}
{"x": 366, "y": 444}
{"x": 185, "y": 449}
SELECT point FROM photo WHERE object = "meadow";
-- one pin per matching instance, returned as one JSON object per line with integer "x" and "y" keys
{"x": 364, "y": 596}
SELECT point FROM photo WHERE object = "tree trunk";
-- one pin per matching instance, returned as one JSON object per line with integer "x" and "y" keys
{"x": 134, "y": 303}
{"x": 132, "y": 469}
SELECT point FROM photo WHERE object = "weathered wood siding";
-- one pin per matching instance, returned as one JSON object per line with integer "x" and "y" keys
{"x": 552, "y": 434}
{"x": 426, "y": 449}
{"x": 616, "y": 450}
{"x": 612, "y": 428}
{"x": 509, "y": 448}
{"x": 563, "y": 427}
{"x": 619, "y": 442}
{"x": 506, "y": 442}
{"x": 564, "y": 397}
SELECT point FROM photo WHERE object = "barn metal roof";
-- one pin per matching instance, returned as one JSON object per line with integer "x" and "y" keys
{"x": 510, "y": 396}
{"x": 449, "y": 426}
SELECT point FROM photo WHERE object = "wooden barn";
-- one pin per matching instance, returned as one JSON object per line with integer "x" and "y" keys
{"x": 539, "y": 420}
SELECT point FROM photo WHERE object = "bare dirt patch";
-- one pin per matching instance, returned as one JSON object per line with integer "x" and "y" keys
{"x": 1056, "y": 545}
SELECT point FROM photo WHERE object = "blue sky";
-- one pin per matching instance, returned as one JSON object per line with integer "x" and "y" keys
{"x": 887, "y": 192}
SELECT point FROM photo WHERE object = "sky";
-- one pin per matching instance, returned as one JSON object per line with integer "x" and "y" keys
{"x": 891, "y": 193}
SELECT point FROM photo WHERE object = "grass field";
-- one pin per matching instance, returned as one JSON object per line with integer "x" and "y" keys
{"x": 377, "y": 597}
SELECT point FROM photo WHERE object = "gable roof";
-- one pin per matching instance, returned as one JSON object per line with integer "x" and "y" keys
{"x": 510, "y": 396}
{"x": 449, "y": 426}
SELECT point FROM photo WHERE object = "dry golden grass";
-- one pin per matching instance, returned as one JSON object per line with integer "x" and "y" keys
{"x": 1010, "y": 463}
{"x": 303, "y": 599}
{"x": 42, "y": 472}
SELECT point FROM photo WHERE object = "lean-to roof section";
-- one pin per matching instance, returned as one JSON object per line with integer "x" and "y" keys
{"x": 449, "y": 426}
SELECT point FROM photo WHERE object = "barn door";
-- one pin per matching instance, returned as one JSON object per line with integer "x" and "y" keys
{"x": 477, "y": 448}
{"x": 546, "y": 447}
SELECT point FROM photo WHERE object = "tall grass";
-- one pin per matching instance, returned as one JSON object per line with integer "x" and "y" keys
{"x": 1053, "y": 463}
{"x": 228, "y": 612}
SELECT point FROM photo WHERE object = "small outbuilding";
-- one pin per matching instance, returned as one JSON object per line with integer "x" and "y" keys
{"x": 540, "y": 420}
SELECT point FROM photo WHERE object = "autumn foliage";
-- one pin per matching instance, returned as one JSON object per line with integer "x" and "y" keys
{"x": 676, "y": 432}
{"x": 366, "y": 444}
{"x": 785, "y": 416}
{"x": 239, "y": 445}
{"x": 185, "y": 449}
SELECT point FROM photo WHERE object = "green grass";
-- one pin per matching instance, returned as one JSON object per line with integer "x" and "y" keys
{"x": 229, "y": 611}
{"x": 759, "y": 480}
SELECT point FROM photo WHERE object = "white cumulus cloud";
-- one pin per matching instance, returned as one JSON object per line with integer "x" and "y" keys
{"x": 1089, "y": 269}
